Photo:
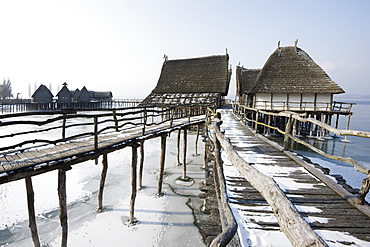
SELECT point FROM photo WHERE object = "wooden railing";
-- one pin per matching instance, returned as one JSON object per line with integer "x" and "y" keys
{"x": 296, "y": 229}
{"x": 290, "y": 131}
{"x": 27, "y": 130}
{"x": 302, "y": 106}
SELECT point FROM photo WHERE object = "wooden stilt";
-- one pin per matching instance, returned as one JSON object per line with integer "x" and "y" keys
{"x": 31, "y": 212}
{"x": 347, "y": 128}
{"x": 102, "y": 182}
{"x": 196, "y": 141}
{"x": 141, "y": 164}
{"x": 63, "y": 205}
{"x": 133, "y": 182}
{"x": 178, "y": 147}
{"x": 185, "y": 143}
{"x": 161, "y": 165}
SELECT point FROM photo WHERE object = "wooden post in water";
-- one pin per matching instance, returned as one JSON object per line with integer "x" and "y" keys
{"x": 31, "y": 211}
{"x": 161, "y": 165}
{"x": 63, "y": 205}
{"x": 178, "y": 147}
{"x": 347, "y": 128}
{"x": 102, "y": 182}
{"x": 185, "y": 143}
{"x": 141, "y": 164}
{"x": 196, "y": 141}
{"x": 133, "y": 182}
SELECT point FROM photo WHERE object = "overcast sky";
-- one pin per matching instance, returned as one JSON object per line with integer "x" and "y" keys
{"x": 118, "y": 46}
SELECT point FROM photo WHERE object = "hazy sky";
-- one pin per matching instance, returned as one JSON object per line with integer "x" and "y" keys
{"x": 118, "y": 46}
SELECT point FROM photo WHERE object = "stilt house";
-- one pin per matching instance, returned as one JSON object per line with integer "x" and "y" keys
{"x": 202, "y": 81}
{"x": 42, "y": 95}
{"x": 64, "y": 95}
{"x": 289, "y": 80}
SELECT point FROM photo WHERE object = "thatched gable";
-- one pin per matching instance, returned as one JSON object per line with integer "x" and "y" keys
{"x": 245, "y": 79}
{"x": 64, "y": 95}
{"x": 191, "y": 81}
{"x": 292, "y": 70}
{"x": 42, "y": 95}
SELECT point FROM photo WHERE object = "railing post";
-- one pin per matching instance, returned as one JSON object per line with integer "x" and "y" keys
{"x": 115, "y": 120}
{"x": 144, "y": 120}
{"x": 288, "y": 129}
{"x": 363, "y": 191}
{"x": 64, "y": 125}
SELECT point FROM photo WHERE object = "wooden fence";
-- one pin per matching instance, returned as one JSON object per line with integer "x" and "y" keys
{"x": 293, "y": 123}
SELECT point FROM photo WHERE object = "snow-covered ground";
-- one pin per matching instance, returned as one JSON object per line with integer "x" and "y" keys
{"x": 163, "y": 221}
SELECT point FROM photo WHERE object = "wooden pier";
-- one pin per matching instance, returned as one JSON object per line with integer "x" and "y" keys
{"x": 334, "y": 207}
{"x": 259, "y": 193}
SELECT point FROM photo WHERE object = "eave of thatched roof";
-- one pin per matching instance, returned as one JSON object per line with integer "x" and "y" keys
{"x": 196, "y": 75}
{"x": 245, "y": 79}
{"x": 292, "y": 70}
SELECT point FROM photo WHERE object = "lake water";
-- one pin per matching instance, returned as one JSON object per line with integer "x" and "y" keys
{"x": 357, "y": 148}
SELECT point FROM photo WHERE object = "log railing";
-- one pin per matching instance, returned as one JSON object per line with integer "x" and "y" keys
{"x": 302, "y": 106}
{"x": 290, "y": 131}
{"x": 20, "y": 131}
{"x": 296, "y": 229}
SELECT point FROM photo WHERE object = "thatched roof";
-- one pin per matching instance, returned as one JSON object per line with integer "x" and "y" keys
{"x": 292, "y": 70}
{"x": 245, "y": 79}
{"x": 194, "y": 80}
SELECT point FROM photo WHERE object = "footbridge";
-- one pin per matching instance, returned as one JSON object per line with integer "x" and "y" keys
{"x": 247, "y": 189}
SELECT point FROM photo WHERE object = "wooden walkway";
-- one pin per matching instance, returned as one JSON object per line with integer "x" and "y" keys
{"x": 320, "y": 206}
{"x": 18, "y": 165}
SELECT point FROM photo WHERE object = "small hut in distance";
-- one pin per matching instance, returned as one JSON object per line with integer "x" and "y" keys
{"x": 64, "y": 95}
{"x": 202, "y": 81}
{"x": 42, "y": 95}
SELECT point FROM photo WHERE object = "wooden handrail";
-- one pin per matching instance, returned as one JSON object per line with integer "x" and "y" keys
{"x": 296, "y": 229}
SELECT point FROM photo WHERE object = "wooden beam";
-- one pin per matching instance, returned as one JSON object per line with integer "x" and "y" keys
{"x": 31, "y": 211}
{"x": 102, "y": 182}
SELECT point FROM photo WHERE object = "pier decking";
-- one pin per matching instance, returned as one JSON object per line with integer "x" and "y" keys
{"x": 325, "y": 211}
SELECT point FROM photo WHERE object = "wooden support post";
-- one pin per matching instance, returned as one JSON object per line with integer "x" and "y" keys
{"x": 347, "y": 128}
{"x": 133, "y": 182}
{"x": 31, "y": 211}
{"x": 161, "y": 165}
{"x": 288, "y": 129}
{"x": 196, "y": 142}
{"x": 63, "y": 205}
{"x": 185, "y": 143}
{"x": 141, "y": 164}
{"x": 363, "y": 191}
{"x": 178, "y": 147}
{"x": 102, "y": 182}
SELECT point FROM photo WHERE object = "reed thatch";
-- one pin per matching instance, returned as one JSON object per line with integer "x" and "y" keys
{"x": 202, "y": 80}
{"x": 292, "y": 70}
{"x": 245, "y": 79}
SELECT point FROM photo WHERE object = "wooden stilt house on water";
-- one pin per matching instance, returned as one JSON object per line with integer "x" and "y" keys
{"x": 290, "y": 81}
{"x": 202, "y": 81}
